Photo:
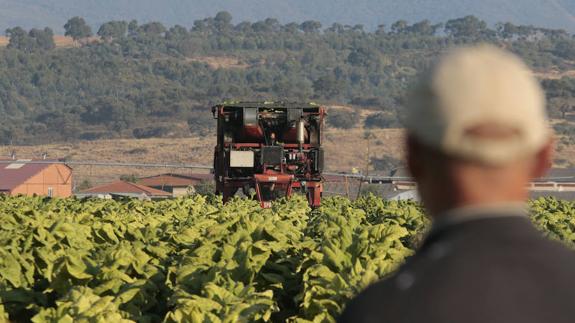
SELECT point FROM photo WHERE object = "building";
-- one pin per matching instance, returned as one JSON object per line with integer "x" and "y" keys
{"x": 124, "y": 189}
{"x": 176, "y": 184}
{"x": 35, "y": 177}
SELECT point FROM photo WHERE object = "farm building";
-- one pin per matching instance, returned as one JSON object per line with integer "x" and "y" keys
{"x": 176, "y": 184}
{"x": 35, "y": 177}
{"x": 124, "y": 189}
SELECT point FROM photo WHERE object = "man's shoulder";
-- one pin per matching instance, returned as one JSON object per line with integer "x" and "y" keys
{"x": 376, "y": 303}
{"x": 491, "y": 247}
{"x": 501, "y": 234}
{"x": 516, "y": 268}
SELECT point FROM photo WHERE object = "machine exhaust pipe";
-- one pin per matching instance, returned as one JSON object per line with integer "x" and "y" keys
{"x": 300, "y": 128}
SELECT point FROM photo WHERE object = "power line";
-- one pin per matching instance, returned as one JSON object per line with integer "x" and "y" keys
{"x": 363, "y": 178}
{"x": 105, "y": 164}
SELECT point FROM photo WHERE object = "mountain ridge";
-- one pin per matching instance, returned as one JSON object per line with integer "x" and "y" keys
{"x": 54, "y": 13}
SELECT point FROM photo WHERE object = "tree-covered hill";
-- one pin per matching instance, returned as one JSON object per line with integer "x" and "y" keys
{"x": 151, "y": 80}
{"x": 371, "y": 13}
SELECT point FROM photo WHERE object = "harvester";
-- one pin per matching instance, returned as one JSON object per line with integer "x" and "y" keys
{"x": 269, "y": 150}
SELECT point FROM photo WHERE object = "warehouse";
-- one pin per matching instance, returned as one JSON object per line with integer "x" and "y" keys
{"x": 35, "y": 177}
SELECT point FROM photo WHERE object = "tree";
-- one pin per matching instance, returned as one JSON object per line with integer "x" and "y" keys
{"x": 133, "y": 27}
{"x": 273, "y": 25}
{"x": 361, "y": 57}
{"x": 19, "y": 39}
{"x": 153, "y": 29}
{"x": 77, "y": 28}
{"x": 424, "y": 28}
{"x": 260, "y": 27}
{"x": 399, "y": 27}
{"x": 382, "y": 120}
{"x": 141, "y": 85}
{"x": 44, "y": 39}
{"x": 327, "y": 86}
{"x": 310, "y": 26}
{"x": 359, "y": 28}
{"x": 566, "y": 49}
{"x": 560, "y": 106}
{"x": 223, "y": 21}
{"x": 35, "y": 40}
{"x": 243, "y": 27}
{"x": 469, "y": 26}
{"x": 113, "y": 30}
{"x": 506, "y": 30}
{"x": 202, "y": 26}
{"x": 336, "y": 28}
{"x": 177, "y": 33}
{"x": 343, "y": 119}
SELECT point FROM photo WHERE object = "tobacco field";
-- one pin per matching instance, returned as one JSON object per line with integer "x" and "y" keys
{"x": 196, "y": 260}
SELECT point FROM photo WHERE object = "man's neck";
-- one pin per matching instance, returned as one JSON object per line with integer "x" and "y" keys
{"x": 512, "y": 204}
{"x": 479, "y": 212}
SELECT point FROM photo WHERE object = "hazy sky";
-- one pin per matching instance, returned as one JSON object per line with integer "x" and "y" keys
{"x": 54, "y": 13}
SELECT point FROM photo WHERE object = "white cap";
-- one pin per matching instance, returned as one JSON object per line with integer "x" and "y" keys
{"x": 480, "y": 103}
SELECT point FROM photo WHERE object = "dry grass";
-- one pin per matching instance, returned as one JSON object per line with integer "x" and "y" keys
{"x": 345, "y": 149}
{"x": 217, "y": 62}
{"x": 200, "y": 150}
{"x": 555, "y": 74}
{"x": 65, "y": 42}
{"x": 59, "y": 40}
{"x": 161, "y": 151}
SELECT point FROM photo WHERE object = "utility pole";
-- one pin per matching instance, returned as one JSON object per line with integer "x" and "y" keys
{"x": 367, "y": 136}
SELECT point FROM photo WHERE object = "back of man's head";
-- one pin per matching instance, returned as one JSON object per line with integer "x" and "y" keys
{"x": 477, "y": 128}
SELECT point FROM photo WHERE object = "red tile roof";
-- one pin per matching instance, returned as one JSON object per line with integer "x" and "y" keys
{"x": 120, "y": 187}
{"x": 14, "y": 173}
{"x": 175, "y": 180}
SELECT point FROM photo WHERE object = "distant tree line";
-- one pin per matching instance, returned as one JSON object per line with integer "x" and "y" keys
{"x": 31, "y": 41}
{"x": 147, "y": 80}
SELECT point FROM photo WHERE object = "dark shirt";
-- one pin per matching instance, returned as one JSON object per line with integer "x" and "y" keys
{"x": 491, "y": 269}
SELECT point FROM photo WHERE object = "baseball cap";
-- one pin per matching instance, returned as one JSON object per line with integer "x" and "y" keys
{"x": 480, "y": 103}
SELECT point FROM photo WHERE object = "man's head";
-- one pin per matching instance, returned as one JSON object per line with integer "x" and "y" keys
{"x": 477, "y": 130}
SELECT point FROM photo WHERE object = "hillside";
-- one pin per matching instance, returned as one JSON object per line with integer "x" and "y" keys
{"x": 149, "y": 80}
{"x": 54, "y": 13}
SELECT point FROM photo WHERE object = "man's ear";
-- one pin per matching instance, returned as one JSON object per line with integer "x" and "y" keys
{"x": 543, "y": 159}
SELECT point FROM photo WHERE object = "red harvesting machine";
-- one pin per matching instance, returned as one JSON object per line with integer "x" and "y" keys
{"x": 269, "y": 149}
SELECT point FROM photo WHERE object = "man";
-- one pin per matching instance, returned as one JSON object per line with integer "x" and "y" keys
{"x": 477, "y": 134}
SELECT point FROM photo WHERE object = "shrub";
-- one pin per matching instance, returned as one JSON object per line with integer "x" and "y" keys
{"x": 343, "y": 119}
